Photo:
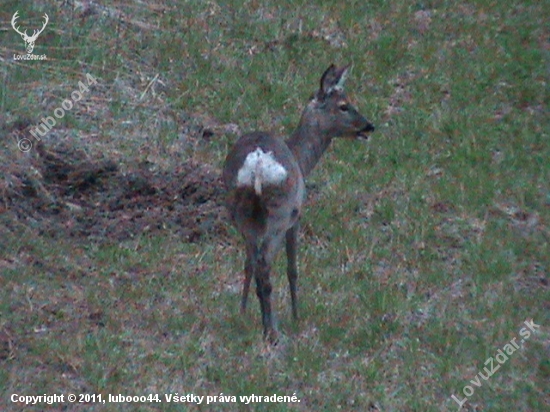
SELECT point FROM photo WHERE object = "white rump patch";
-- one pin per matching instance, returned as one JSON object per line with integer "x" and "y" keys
{"x": 260, "y": 168}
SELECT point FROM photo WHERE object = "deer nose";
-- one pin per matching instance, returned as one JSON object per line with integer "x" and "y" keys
{"x": 368, "y": 128}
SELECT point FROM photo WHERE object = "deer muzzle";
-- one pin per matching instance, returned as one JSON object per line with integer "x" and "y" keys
{"x": 363, "y": 134}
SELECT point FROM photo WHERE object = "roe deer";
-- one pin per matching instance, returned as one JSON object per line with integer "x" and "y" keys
{"x": 264, "y": 178}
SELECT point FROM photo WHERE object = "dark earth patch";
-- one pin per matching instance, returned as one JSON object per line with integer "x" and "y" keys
{"x": 61, "y": 191}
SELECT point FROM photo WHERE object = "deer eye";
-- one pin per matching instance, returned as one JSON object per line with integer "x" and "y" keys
{"x": 344, "y": 107}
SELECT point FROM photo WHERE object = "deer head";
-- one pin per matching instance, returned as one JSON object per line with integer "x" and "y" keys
{"x": 29, "y": 40}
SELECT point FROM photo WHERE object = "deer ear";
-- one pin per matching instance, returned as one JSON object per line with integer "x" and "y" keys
{"x": 333, "y": 79}
{"x": 327, "y": 79}
{"x": 341, "y": 76}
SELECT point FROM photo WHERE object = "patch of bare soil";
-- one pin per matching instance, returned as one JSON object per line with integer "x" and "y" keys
{"x": 62, "y": 192}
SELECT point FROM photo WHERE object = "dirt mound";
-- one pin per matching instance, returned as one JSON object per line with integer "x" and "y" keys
{"x": 61, "y": 191}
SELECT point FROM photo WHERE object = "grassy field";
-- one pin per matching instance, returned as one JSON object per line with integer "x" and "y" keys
{"x": 423, "y": 252}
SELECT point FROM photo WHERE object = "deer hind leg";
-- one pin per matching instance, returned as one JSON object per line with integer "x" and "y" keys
{"x": 248, "y": 273}
{"x": 262, "y": 270}
{"x": 292, "y": 270}
{"x": 263, "y": 290}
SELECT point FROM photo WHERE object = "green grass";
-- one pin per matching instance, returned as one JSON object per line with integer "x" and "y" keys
{"x": 422, "y": 253}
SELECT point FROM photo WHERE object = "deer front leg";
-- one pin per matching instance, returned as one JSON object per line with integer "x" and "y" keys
{"x": 292, "y": 269}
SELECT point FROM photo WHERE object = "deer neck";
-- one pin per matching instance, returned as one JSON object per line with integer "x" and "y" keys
{"x": 308, "y": 143}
